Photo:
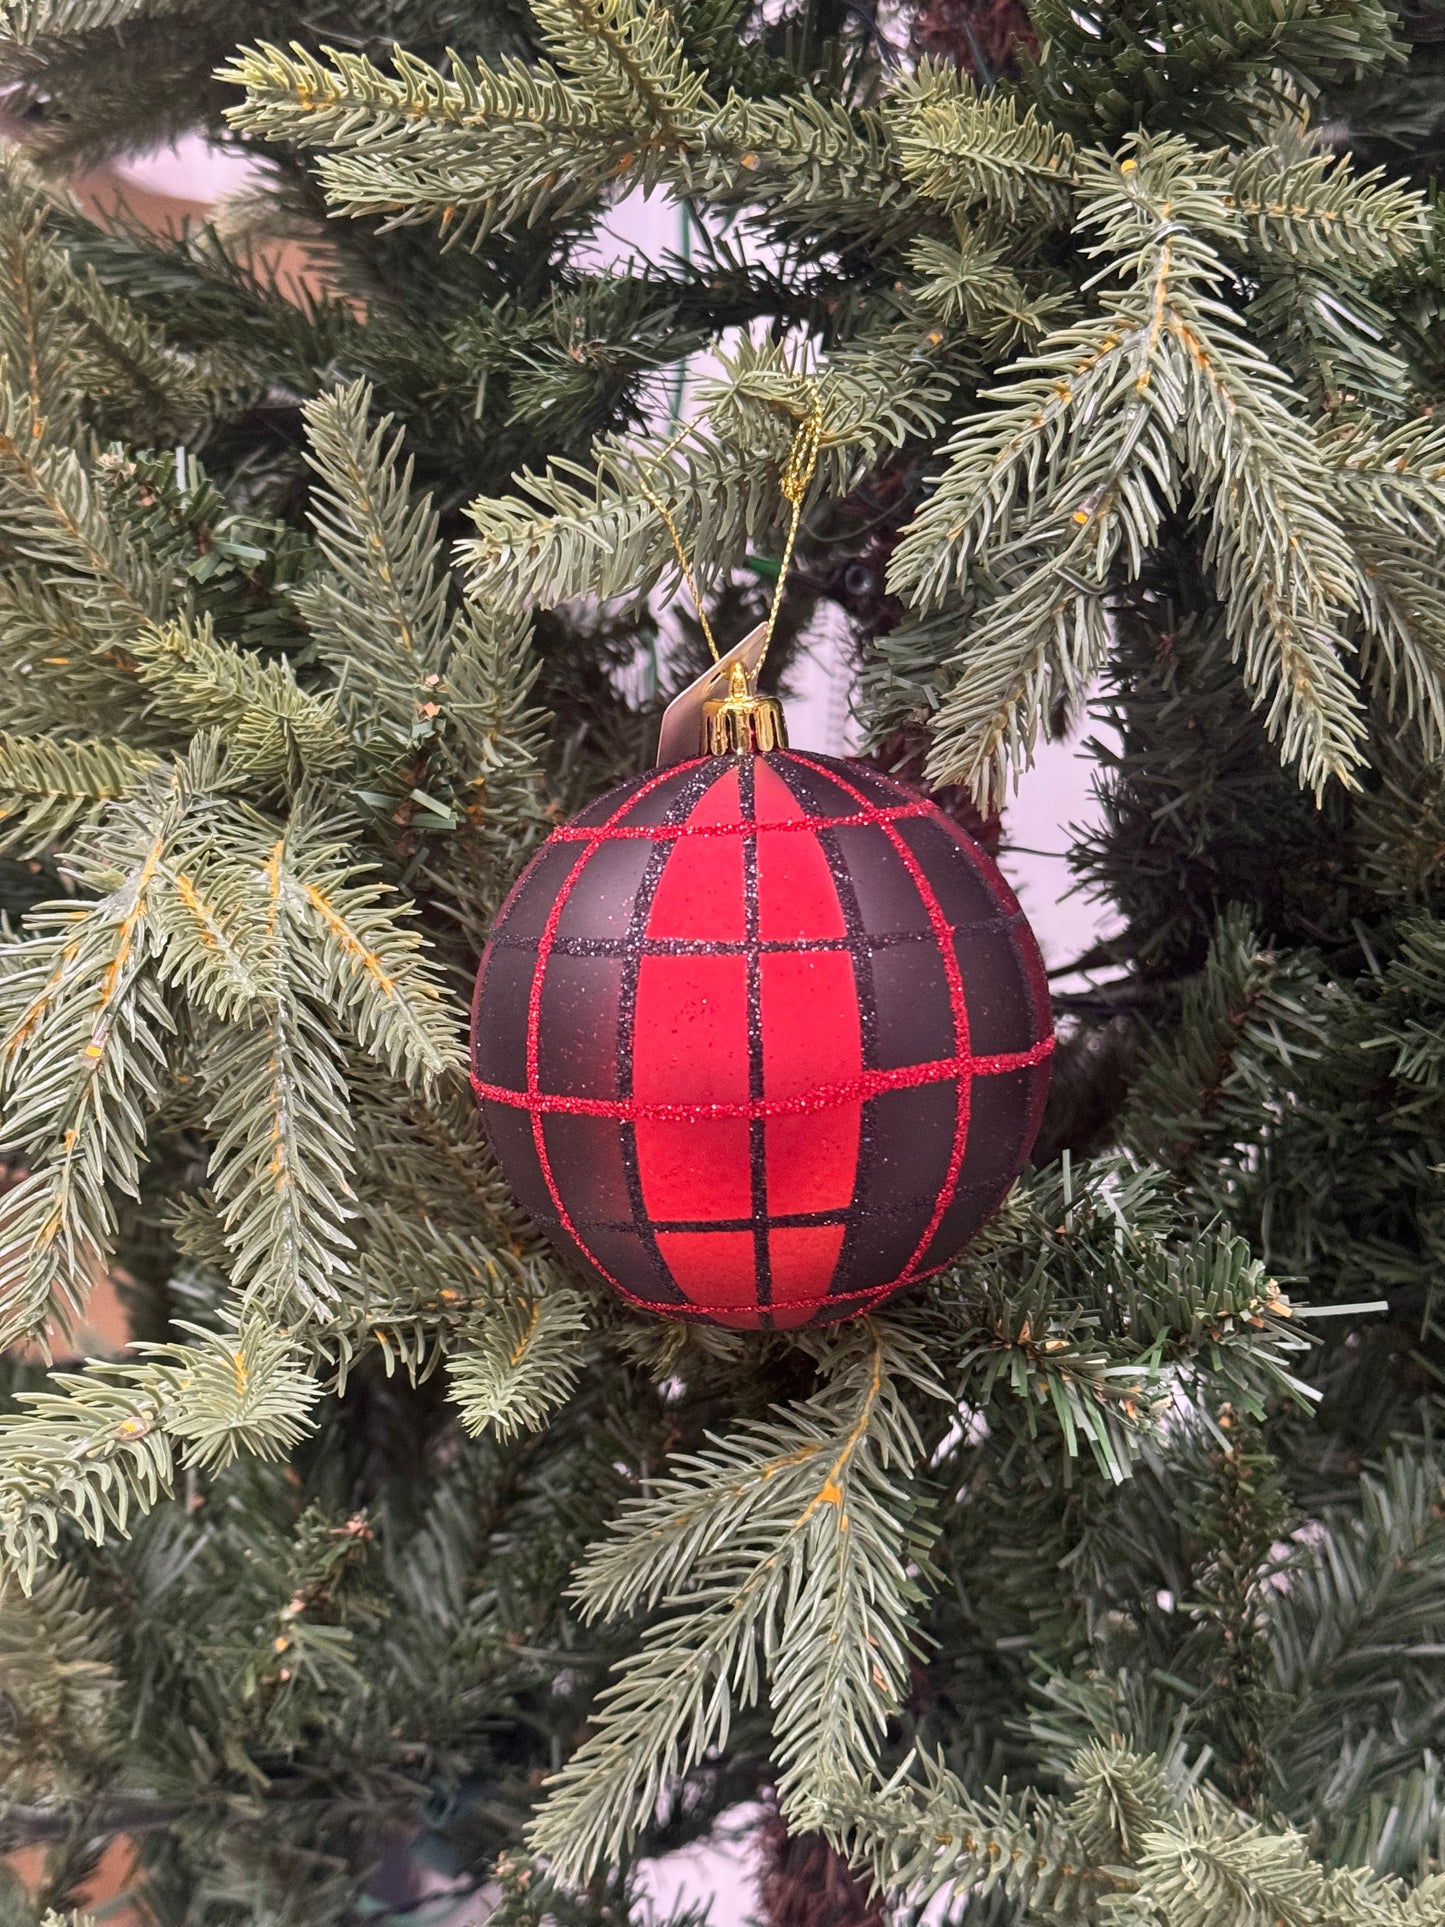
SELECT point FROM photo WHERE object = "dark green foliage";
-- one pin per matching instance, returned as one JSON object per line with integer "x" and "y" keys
{"x": 1210, "y": 69}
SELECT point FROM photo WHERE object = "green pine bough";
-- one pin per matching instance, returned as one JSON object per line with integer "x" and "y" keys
{"x": 1098, "y": 1582}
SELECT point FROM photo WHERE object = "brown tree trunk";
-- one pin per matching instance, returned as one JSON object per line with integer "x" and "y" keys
{"x": 806, "y": 1883}
{"x": 984, "y": 37}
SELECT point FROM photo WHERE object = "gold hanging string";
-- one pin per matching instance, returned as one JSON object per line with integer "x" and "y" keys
{"x": 796, "y": 479}
{"x": 682, "y": 562}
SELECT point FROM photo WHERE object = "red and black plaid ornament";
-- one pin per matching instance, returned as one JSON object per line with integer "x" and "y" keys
{"x": 761, "y": 1038}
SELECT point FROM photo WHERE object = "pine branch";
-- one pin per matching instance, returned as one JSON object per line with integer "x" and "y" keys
{"x": 48, "y": 786}
{"x": 59, "y": 1685}
{"x": 274, "y": 731}
{"x": 28, "y": 1826}
{"x": 625, "y": 60}
{"x": 141, "y": 379}
{"x": 1280, "y": 561}
{"x": 29, "y": 20}
{"x": 83, "y": 1055}
{"x": 70, "y": 346}
{"x": 239, "y": 1390}
{"x": 375, "y": 971}
{"x": 90, "y": 1449}
{"x": 428, "y": 1158}
{"x": 1138, "y": 1843}
{"x": 283, "y": 1159}
{"x": 1392, "y": 499}
{"x": 1215, "y": 71}
{"x": 1416, "y": 1908}
{"x": 1361, "y": 1593}
{"x": 1220, "y": 1866}
{"x": 212, "y": 924}
{"x": 1245, "y": 1017}
{"x": 559, "y": 540}
{"x": 484, "y": 146}
{"x": 967, "y": 280}
{"x": 274, "y": 1073}
{"x": 425, "y": 1290}
{"x": 1316, "y": 208}
{"x": 49, "y": 512}
{"x": 519, "y": 1364}
{"x": 926, "y": 1835}
{"x": 1334, "y": 341}
{"x": 303, "y": 1651}
{"x": 1120, "y": 1796}
{"x": 969, "y": 150}
{"x": 1092, "y": 1322}
{"x": 237, "y": 926}
{"x": 788, "y": 1532}
{"x": 378, "y": 611}
{"x": 577, "y": 359}
{"x": 1414, "y": 988}
{"x": 1044, "y": 496}
{"x": 35, "y": 276}
{"x": 491, "y": 738}
{"x": 802, "y": 164}
{"x": 1052, "y": 496}
{"x": 1318, "y": 239}
{"x": 56, "y": 680}
{"x": 605, "y": 538}
{"x": 99, "y": 1446}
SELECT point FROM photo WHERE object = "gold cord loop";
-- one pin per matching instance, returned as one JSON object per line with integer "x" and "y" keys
{"x": 682, "y": 562}
{"x": 796, "y": 479}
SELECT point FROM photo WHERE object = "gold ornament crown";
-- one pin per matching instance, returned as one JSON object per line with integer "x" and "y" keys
{"x": 743, "y": 720}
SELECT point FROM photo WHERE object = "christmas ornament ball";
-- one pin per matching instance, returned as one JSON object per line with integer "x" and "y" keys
{"x": 762, "y": 1039}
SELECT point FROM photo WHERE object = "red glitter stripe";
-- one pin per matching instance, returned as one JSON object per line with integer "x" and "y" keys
{"x": 867, "y": 1084}
{"x": 613, "y": 832}
{"x": 857, "y": 1303}
{"x": 943, "y": 936}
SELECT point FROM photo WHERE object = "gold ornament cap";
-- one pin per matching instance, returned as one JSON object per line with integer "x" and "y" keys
{"x": 719, "y": 712}
{"x": 743, "y": 722}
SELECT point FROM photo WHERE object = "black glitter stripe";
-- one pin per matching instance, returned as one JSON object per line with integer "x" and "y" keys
{"x": 781, "y": 1221}
{"x": 860, "y": 948}
{"x": 718, "y": 947}
{"x": 757, "y": 1127}
{"x": 683, "y": 803}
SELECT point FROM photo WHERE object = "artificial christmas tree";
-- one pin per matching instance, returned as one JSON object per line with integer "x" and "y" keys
{"x": 1099, "y": 1578}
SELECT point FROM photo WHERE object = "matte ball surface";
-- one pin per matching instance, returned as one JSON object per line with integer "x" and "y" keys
{"x": 761, "y": 1039}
